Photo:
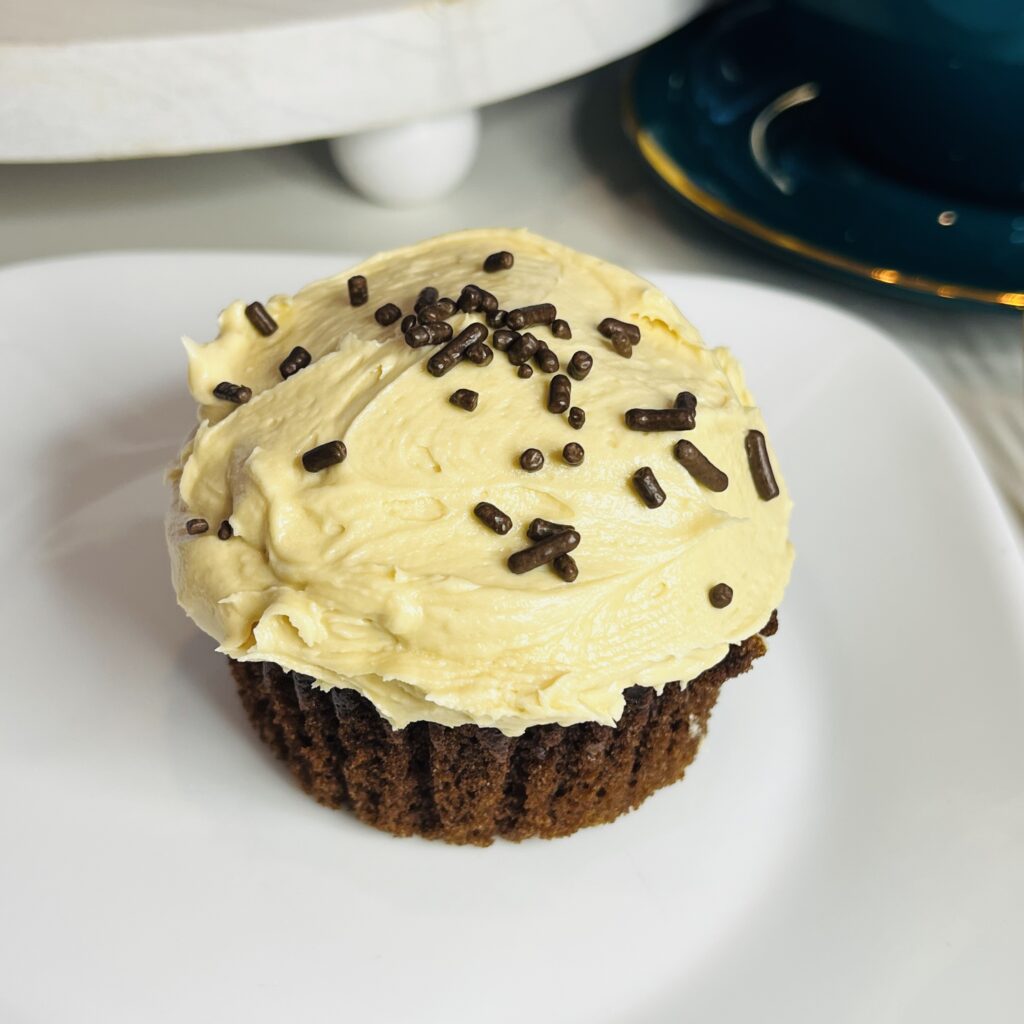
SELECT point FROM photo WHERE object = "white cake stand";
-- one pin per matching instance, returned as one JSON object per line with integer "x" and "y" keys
{"x": 395, "y": 84}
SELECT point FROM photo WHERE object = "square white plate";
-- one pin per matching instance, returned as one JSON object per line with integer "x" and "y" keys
{"x": 847, "y": 847}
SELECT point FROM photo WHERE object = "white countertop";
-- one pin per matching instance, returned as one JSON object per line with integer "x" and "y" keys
{"x": 555, "y": 161}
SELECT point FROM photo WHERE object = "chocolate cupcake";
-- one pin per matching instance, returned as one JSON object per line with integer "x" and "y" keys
{"x": 461, "y": 600}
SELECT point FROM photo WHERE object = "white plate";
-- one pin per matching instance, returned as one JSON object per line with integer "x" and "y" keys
{"x": 847, "y": 846}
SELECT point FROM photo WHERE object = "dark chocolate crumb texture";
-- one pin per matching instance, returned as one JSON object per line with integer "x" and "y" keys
{"x": 403, "y": 540}
{"x": 470, "y": 785}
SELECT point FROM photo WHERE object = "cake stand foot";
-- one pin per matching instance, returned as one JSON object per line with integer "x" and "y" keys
{"x": 409, "y": 164}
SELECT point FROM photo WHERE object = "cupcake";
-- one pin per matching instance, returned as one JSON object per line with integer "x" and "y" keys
{"x": 482, "y": 527}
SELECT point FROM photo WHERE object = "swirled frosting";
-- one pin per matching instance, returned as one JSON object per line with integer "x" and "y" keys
{"x": 375, "y": 575}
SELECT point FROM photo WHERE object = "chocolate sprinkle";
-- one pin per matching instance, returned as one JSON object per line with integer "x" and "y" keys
{"x": 427, "y": 297}
{"x": 565, "y": 566}
{"x": 659, "y": 419}
{"x": 358, "y": 292}
{"x": 194, "y": 527}
{"x": 428, "y": 334}
{"x": 503, "y": 338}
{"x": 499, "y": 261}
{"x": 559, "y": 393}
{"x": 464, "y": 399}
{"x": 408, "y": 323}
{"x": 488, "y": 301}
{"x": 261, "y": 319}
{"x": 647, "y": 486}
{"x": 523, "y": 349}
{"x": 761, "y": 466}
{"x": 479, "y": 353}
{"x": 697, "y": 464}
{"x": 417, "y": 336}
{"x": 469, "y": 300}
{"x": 530, "y": 316}
{"x": 546, "y": 360}
{"x": 525, "y": 372}
{"x": 237, "y": 393}
{"x": 541, "y": 528}
{"x": 621, "y": 344}
{"x": 573, "y": 453}
{"x": 686, "y": 400}
{"x": 497, "y": 318}
{"x": 610, "y": 327}
{"x": 387, "y": 314}
{"x": 296, "y": 360}
{"x": 561, "y": 329}
{"x": 531, "y": 460}
{"x": 440, "y": 332}
{"x": 492, "y": 516}
{"x": 441, "y": 362}
{"x": 720, "y": 595}
{"x": 440, "y": 310}
{"x": 580, "y": 364}
{"x": 544, "y": 551}
{"x": 225, "y": 531}
{"x": 330, "y": 453}
{"x": 577, "y": 417}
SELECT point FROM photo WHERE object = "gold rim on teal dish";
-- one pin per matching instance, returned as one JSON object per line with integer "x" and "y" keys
{"x": 680, "y": 182}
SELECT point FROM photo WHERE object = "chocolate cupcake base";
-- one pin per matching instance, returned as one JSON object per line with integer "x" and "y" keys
{"x": 468, "y": 784}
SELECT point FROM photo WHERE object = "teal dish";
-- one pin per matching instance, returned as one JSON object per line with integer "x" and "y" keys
{"x": 732, "y": 120}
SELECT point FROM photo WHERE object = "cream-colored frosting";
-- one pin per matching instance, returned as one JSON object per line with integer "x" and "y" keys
{"x": 375, "y": 574}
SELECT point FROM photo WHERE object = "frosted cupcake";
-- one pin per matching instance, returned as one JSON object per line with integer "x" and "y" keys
{"x": 483, "y": 527}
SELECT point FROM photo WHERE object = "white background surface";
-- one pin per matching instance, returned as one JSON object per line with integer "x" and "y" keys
{"x": 555, "y": 161}
{"x": 846, "y": 847}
